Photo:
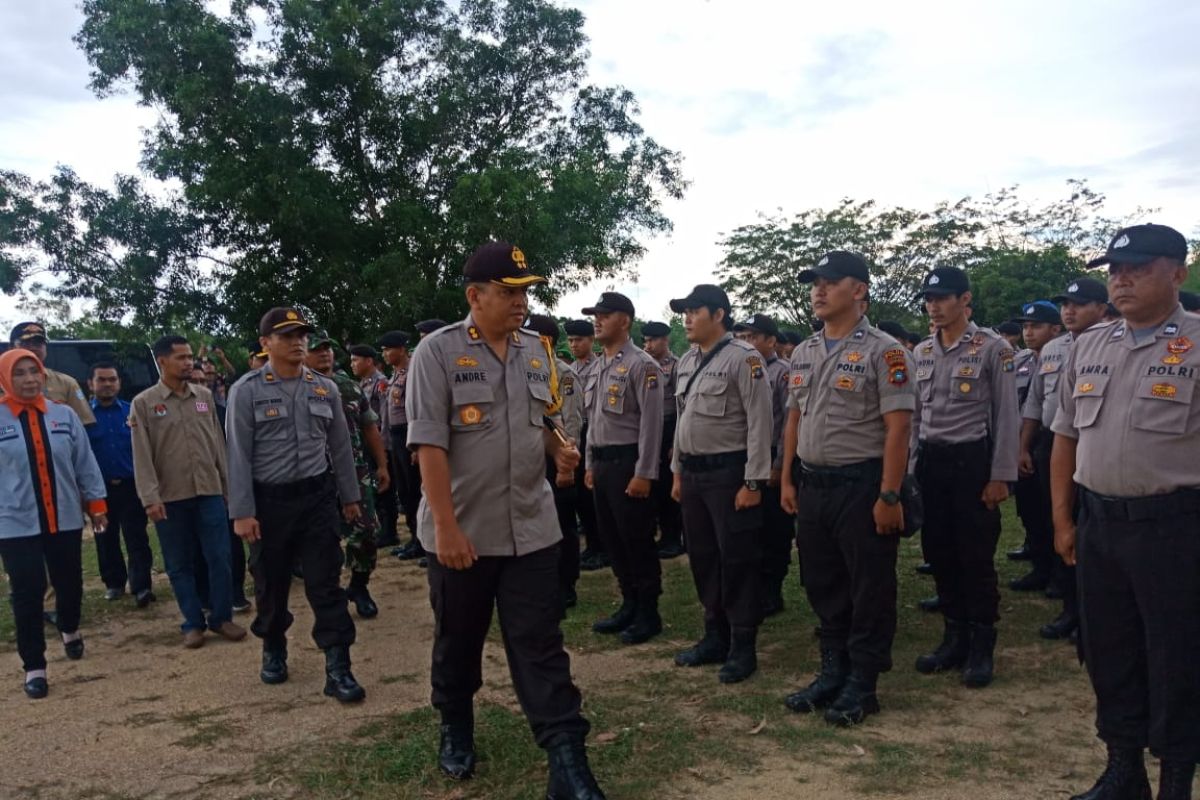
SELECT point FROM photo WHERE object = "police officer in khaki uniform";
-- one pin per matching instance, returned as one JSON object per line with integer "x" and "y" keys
{"x": 478, "y": 394}
{"x": 581, "y": 339}
{"x": 845, "y": 454}
{"x": 1132, "y": 385}
{"x": 721, "y": 464}
{"x": 285, "y": 429}
{"x": 965, "y": 447}
{"x": 623, "y": 393}
{"x": 656, "y": 341}
{"x": 60, "y": 387}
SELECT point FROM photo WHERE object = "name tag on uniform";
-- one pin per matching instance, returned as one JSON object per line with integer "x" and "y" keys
{"x": 8, "y": 432}
{"x": 201, "y": 407}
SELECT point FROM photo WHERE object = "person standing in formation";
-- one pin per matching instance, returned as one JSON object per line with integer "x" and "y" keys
{"x": 656, "y": 341}
{"x": 581, "y": 338}
{"x": 394, "y": 346}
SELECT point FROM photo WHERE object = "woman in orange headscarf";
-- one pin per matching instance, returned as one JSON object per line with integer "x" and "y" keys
{"x": 47, "y": 476}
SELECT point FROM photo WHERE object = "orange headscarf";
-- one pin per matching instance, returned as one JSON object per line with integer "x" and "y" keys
{"x": 8, "y": 362}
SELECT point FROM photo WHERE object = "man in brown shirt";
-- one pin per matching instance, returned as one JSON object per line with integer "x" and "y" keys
{"x": 179, "y": 469}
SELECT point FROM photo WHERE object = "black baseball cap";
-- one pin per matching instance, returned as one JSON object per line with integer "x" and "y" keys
{"x": 500, "y": 263}
{"x": 1009, "y": 328}
{"x": 759, "y": 323}
{"x": 27, "y": 332}
{"x": 705, "y": 295}
{"x": 428, "y": 326}
{"x": 945, "y": 281}
{"x": 364, "y": 351}
{"x": 393, "y": 339}
{"x": 838, "y": 264}
{"x": 793, "y": 337}
{"x": 893, "y": 329}
{"x": 1037, "y": 311}
{"x": 1084, "y": 290}
{"x": 579, "y": 327}
{"x": 656, "y": 329}
{"x": 1141, "y": 244}
{"x": 283, "y": 319}
{"x": 610, "y": 302}
{"x": 543, "y": 325}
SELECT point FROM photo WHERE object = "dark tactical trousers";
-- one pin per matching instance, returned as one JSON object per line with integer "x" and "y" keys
{"x": 300, "y": 518}
{"x": 387, "y": 507}
{"x": 1139, "y": 583}
{"x": 405, "y": 477}
{"x": 1064, "y": 575}
{"x": 626, "y": 525}
{"x": 778, "y": 534}
{"x": 524, "y": 592}
{"x": 564, "y": 506}
{"x": 126, "y": 519}
{"x": 27, "y": 560}
{"x": 585, "y": 503}
{"x": 849, "y": 569}
{"x": 960, "y": 534}
{"x": 667, "y": 513}
{"x": 724, "y": 546}
{"x": 1033, "y": 509}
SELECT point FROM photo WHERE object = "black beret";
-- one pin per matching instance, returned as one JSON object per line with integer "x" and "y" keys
{"x": 428, "y": 326}
{"x": 656, "y": 329}
{"x": 543, "y": 325}
{"x": 393, "y": 339}
{"x": 579, "y": 327}
{"x": 364, "y": 351}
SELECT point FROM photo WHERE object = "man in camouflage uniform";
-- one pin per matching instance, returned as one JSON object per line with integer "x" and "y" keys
{"x": 363, "y": 423}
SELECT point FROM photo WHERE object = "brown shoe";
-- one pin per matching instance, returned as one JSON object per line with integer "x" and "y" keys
{"x": 193, "y": 639}
{"x": 231, "y": 631}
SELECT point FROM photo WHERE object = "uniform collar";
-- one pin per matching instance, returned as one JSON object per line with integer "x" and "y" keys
{"x": 857, "y": 334}
{"x": 475, "y": 336}
{"x": 97, "y": 406}
{"x": 626, "y": 351}
{"x": 164, "y": 391}
{"x": 967, "y": 335}
{"x": 1170, "y": 328}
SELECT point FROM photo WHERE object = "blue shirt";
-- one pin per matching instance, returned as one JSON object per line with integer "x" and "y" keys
{"x": 112, "y": 440}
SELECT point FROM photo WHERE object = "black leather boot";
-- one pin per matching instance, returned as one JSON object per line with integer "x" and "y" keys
{"x": 1123, "y": 779}
{"x": 951, "y": 653}
{"x": 857, "y": 700}
{"x": 358, "y": 594}
{"x": 1175, "y": 780}
{"x": 980, "y": 665}
{"x": 1061, "y": 628}
{"x": 620, "y": 619}
{"x": 456, "y": 751}
{"x": 835, "y": 668}
{"x": 274, "y": 662}
{"x": 570, "y": 776}
{"x": 339, "y": 682}
{"x": 743, "y": 656}
{"x": 712, "y": 649}
{"x": 646, "y": 622}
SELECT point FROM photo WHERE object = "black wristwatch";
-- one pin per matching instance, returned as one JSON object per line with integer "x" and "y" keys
{"x": 889, "y": 498}
{"x": 754, "y": 486}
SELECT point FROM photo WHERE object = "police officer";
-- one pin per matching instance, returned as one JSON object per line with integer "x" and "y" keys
{"x": 761, "y": 333}
{"x": 478, "y": 393}
{"x": 428, "y": 326}
{"x": 365, "y": 363}
{"x": 285, "y": 428}
{"x": 60, "y": 387}
{"x": 1132, "y": 384}
{"x": 656, "y": 340}
{"x": 966, "y": 455}
{"x": 394, "y": 345}
{"x": 362, "y": 424}
{"x": 1011, "y": 331}
{"x": 846, "y": 446}
{"x": 581, "y": 338}
{"x": 721, "y": 464}
{"x": 625, "y": 418}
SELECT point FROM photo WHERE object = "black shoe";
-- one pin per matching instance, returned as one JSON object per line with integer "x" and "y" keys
{"x": 591, "y": 562}
{"x": 456, "y": 752}
{"x": 74, "y": 649}
{"x": 1053, "y": 590}
{"x": 835, "y": 668}
{"x": 145, "y": 597}
{"x": 742, "y": 661}
{"x": 856, "y": 702}
{"x": 711, "y": 649}
{"x": 646, "y": 622}
{"x": 619, "y": 620}
{"x": 411, "y": 551}
{"x": 339, "y": 682}
{"x": 1124, "y": 778}
{"x": 364, "y": 604}
{"x": 570, "y": 776}
{"x": 1062, "y": 627}
{"x": 36, "y": 688}
{"x": 930, "y": 604}
{"x": 114, "y": 593}
{"x": 1031, "y": 582}
{"x": 669, "y": 550}
{"x": 1175, "y": 780}
{"x": 1022, "y": 553}
{"x": 951, "y": 653}
{"x": 423, "y": 562}
{"x": 980, "y": 664}
{"x": 241, "y": 605}
{"x": 924, "y": 568}
{"x": 274, "y": 663}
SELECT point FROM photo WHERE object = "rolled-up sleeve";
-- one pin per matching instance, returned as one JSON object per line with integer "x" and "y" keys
{"x": 239, "y": 448}
{"x": 427, "y": 400}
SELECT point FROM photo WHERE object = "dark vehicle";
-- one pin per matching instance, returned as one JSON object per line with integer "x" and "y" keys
{"x": 75, "y": 357}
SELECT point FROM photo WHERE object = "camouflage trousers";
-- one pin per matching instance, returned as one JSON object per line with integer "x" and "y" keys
{"x": 359, "y": 536}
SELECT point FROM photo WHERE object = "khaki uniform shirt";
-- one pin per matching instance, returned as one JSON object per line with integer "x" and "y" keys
{"x": 178, "y": 446}
{"x": 667, "y": 366}
{"x": 624, "y": 398}
{"x": 843, "y": 393}
{"x": 728, "y": 407}
{"x": 487, "y": 415}
{"x": 1134, "y": 408}
{"x": 395, "y": 415}
{"x": 282, "y": 431}
{"x": 1025, "y": 365}
{"x": 968, "y": 392}
{"x": 582, "y": 370}
{"x": 62, "y": 388}
{"x": 778, "y": 379}
{"x": 571, "y": 412}
{"x": 1042, "y": 401}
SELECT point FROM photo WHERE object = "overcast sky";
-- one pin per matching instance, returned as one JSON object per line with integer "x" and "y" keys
{"x": 788, "y": 106}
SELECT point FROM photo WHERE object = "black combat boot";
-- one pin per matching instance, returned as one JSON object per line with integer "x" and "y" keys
{"x": 743, "y": 656}
{"x": 620, "y": 619}
{"x": 951, "y": 653}
{"x": 857, "y": 700}
{"x": 712, "y": 649}
{"x": 570, "y": 776}
{"x": 646, "y": 622}
{"x": 339, "y": 682}
{"x": 1034, "y": 581}
{"x": 1175, "y": 780}
{"x": 1123, "y": 779}
{"x": 980, "y": 666}
{"x": 835, "y": 668}
{"x": 456, "y": 751}
{"x": 358, "y": 594}
{"x": 1061, "y": 628}
{"x": 274, "y": 662}
{"x": 930, "y": 604}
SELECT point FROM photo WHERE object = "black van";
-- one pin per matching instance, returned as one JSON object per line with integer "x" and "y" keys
{"x": 75, "y": 357}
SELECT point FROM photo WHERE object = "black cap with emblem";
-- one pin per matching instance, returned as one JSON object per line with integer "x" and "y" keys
{"x": 543, "y": 325}
{"x": 1038, "y": 311}
{"x": 945, "y": 281}
{"x": 579, "y": 327}
{"x": 1083, "y": 290}
{"x": 27, "y": 332}
{"x": 609, "y": 303}
{"x": 759, "y": 323}
{"x": 655, "y": 330}
{"x": 705, "y": 295}
{"x": 500, "y": 263}
{"x": 283, "y": 320}
{"x": 835, "y": 265}
{"x": 1141, "y": 244}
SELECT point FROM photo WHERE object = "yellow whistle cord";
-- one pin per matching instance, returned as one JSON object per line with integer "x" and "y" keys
{"x": 556, "y": 401}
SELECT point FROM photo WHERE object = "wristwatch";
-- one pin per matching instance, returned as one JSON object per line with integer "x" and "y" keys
{"x": 754, "y": 486}
{"x": 889, "y": 498}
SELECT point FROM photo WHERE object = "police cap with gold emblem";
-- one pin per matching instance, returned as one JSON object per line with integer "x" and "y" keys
{"x": 500, "y": 263}
{"x": 27, "y": 332}
{"x": 283, "y": 320}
